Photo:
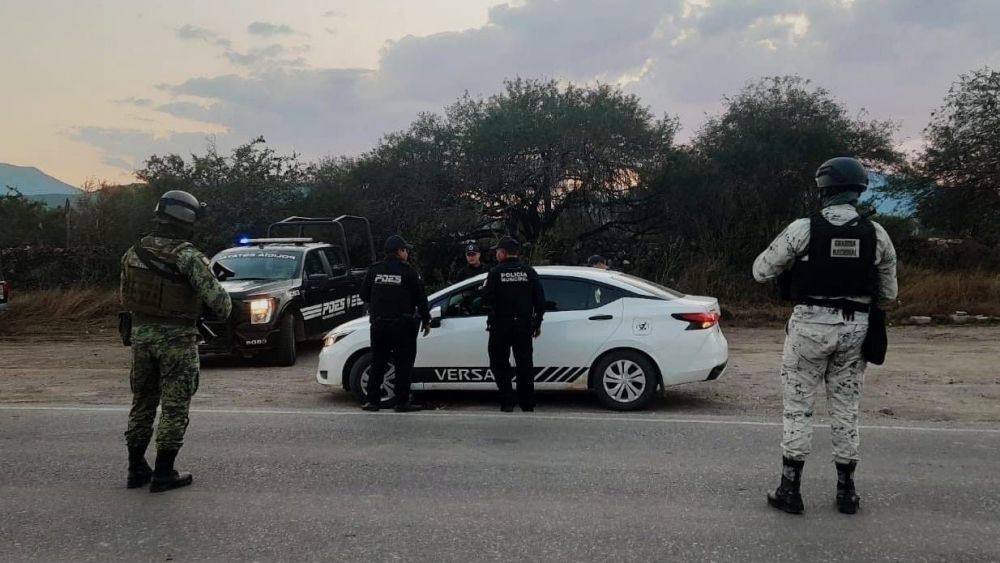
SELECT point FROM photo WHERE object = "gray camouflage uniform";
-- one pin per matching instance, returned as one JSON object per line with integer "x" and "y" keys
{"x": 822, "y": 345}
{"x": 165, "y": 365}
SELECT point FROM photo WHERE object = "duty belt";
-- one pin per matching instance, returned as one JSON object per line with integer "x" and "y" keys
{"x": 846, "y": 306}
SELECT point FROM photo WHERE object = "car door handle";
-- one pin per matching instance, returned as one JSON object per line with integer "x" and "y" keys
{"x": 602, "y": 317}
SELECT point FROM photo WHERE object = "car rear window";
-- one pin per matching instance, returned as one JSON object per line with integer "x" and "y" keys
{"x": 649, "y": 287}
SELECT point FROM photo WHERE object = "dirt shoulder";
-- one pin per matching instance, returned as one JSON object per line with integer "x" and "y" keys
{"x": 931, "y": 374}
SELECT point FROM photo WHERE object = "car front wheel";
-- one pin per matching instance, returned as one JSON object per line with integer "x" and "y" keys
{"x": 625, "y": 381}
{"x": 360, "y": 372}
{"x": 285, "y": 352}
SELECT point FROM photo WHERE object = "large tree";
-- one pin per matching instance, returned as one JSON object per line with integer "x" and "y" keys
{"x": 957, "y": 176}
{"x": 750, "y": 169}
{"x": 245, "y": 190}
{"x": 529, "y": 155}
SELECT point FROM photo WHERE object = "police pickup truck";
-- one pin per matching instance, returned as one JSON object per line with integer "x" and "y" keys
{"x": 291, "y": 289}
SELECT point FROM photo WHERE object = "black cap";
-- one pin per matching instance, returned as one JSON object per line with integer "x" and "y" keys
{"x": 509, "y": 244}
{"x": 595, "y": 260}
{"x": 472, "y": 248}
{"x": 396, "y": 242}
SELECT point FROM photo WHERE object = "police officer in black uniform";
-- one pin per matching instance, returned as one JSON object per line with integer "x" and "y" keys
{"x": 397, "y": 301}
{"x": 517, "y": 299}
{"x": 474, "y": 265}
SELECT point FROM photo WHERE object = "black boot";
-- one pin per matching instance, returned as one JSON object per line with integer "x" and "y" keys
{"x": 370, "y": 406}
{"x": 848, "y": 500}
{"x": 787, "y": 497}
{"x": 139, "y": 472}
{"x": 408, "y": 406}
{"x": 165, "y": 477}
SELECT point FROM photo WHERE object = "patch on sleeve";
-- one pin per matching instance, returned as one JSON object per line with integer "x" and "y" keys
{"x": 845, "y": 248}
{"x": 205, "y": 260}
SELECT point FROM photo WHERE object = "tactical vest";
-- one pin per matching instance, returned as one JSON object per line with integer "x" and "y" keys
{"x": 841, "y": 261}
{"x": 154, "y": 285}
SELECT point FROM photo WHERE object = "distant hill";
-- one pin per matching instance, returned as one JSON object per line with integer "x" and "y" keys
{"x": 32, "y": 182}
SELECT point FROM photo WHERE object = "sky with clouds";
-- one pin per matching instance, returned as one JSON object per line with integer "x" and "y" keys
{"x": 90, "y": 89}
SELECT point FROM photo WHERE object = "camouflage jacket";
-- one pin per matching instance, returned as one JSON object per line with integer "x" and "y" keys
{"x": 194, "y": 264}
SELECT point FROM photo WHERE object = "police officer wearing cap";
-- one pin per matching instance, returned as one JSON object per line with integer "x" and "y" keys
{"x": 597, "y": 261}
{"x": 838, "y": 265}
{"x": 397, "y": 301}
{"x": 473, "y": 266}
{"x": 515, "y": 294}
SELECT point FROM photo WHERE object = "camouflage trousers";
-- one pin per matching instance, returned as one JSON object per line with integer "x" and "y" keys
{"x": 165, "y": 370}
{"x": 823, "y": 348}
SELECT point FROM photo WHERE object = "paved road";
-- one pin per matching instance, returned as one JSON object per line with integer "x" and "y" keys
{"x": 350, "y": 486}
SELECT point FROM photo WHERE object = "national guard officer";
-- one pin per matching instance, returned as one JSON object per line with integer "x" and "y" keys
{"x": 165, "y": 285}
{"x": 840, "y": 265}
{"x": 397, "y": 300}
{"x": 517, "y": 299}
{"x": 473, "y": 263}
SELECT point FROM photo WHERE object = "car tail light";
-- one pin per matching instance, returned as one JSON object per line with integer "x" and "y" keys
{"x": 698, "y": 321}
{"x": 5, "y": 288}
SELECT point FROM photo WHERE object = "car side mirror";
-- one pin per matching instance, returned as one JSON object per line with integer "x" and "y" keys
{"x": 221, "y": 272}
{"x": 338, "y": 271}
{"x": 436, "y": 317}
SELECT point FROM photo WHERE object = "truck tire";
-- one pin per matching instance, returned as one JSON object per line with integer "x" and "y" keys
{"x": 285, "y": 353}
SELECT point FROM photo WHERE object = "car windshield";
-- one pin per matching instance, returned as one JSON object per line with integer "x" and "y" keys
{"x": 650, "y": 287}
{"x": 262, "y": 264}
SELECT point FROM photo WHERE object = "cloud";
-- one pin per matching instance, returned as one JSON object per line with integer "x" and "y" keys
{"x": 128, "y": 149}
{"x": 265, "y": 29}
{"x": 255, "y": 56}
{"x": 190, "y": 32}
{"x": 894, "y": 57}
{"x": 137, "y": 102}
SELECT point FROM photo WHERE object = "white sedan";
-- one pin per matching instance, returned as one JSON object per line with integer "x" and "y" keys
{"x": 618, "y": 335}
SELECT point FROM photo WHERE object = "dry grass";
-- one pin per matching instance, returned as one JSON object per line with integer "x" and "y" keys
{"x": 37, "y": 311}
{"x": 930, "y": 292}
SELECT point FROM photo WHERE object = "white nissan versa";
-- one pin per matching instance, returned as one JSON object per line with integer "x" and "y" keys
{"x": 618, "y": 335}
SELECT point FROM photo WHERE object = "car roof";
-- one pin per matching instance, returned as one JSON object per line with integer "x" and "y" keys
{"x": 609, "y": 277}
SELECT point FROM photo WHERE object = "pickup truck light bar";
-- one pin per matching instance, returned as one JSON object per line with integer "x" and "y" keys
{"x": 290, "y": 240}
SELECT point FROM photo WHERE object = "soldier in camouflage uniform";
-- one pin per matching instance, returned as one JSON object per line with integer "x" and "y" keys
{"x": 838, "y": 263}
{"x": 166, "y": 283}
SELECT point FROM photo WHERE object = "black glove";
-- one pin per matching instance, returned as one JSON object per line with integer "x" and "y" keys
{"x": 125, "y": 327}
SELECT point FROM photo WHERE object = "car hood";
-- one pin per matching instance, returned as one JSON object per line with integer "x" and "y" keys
{"x": 246, "y": 288}
{"x": 356, "y": 324}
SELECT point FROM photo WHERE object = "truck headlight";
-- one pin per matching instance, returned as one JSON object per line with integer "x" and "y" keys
{"x": 261, "y": 311}
{"x": 335, "y": 337}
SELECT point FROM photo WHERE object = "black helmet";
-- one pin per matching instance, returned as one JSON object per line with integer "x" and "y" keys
{"x": 842, "y": 172}
{"x": 180, "y": 206}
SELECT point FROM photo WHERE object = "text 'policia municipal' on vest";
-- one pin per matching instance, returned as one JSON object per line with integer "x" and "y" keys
{"x": 841, "y": 261}
{"x": 156, "y": 286}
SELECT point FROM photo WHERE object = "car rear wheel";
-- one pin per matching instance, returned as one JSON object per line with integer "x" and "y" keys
{"x": 625, "y": 381}
{"x": 286, "y": 353}
{"x": 359, "y": 380}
